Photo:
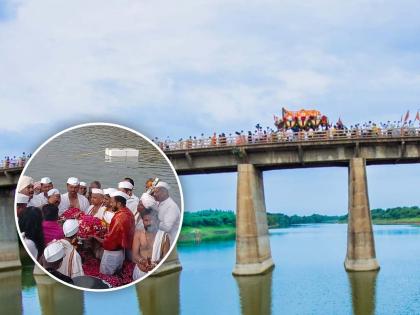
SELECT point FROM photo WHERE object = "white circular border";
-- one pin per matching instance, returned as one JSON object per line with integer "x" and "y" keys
{"x": 167, "y": 160}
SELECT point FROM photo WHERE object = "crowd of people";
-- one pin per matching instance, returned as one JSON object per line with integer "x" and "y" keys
{"x": 270, "y": 135}
{"x": 12, "y": 162}
{"x": 108, "y": 234}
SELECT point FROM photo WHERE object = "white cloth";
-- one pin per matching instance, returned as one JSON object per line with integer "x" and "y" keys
{"x": 157, "y": 245}
{"x": 65, "y": 203}
{"x": 111, "y": 261}
{"x": 37, "y": 201}
{"x": 169, "y": 217}
{"x": 99, "y": 214}
{"x": 42, "y": 199}
{"x": 24, "y": 182}
{"x": 30, "y": 244}
{"x": 72, "y": 262}
{"x": 132, "y": 203}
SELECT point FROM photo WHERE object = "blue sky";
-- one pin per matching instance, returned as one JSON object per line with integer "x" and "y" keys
{"x": 204, "y": 66}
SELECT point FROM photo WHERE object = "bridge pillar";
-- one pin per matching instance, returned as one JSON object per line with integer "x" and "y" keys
{"x": 360, "y": 242}
{"x": 9, "y": 248}
{"x": 253, "y": 253}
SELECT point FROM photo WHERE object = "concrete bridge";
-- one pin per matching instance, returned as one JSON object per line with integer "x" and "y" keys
{"x": 249, "y": 160}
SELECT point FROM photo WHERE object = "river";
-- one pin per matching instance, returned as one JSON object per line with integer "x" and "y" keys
{"x": 309, "y": 278}
{"x": 81, "y": 153}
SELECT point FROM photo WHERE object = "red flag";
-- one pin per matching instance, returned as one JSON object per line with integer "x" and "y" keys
{"x": 406, "y": 116}
{"x": 418, "y": 116}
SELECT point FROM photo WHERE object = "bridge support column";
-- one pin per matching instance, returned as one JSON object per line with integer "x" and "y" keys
{"x": 253, "y": 253}
{"x": 170, "y": 265}
{"x": 360, "y": 242}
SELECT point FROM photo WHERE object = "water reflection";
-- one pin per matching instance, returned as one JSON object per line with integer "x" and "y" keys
{"x": 10, "y": 292}
{"x": 363, "y": 291}
{"x": 57, "y": 298}
{"x": 159, "y": 295}
{"x": 255, "y": 293}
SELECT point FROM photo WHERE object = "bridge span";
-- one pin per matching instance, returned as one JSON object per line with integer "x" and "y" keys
{"x": 250, "y": 160}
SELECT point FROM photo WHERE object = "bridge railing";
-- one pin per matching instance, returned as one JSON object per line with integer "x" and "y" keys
{"x": 288, "y": 137}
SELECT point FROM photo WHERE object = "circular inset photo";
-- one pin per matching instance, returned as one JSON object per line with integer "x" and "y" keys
{"x": 99, "y": 207}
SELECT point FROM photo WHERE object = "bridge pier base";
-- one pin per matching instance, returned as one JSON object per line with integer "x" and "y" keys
{"x": 361, "y": 254}
{"x": 253, "y": 253}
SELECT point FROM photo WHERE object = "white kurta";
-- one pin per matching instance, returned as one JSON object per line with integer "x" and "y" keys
{"x": 65, "y": 203}
{"x": 72, "y": 262}
{"x": 42, "y": 199}
{"x": 36, "y": 201}
{"x": 31, "y": 246}
{"x": 132, "y": 203}
{"x": 169, "y": 217}
{"x": 99, "y": 214}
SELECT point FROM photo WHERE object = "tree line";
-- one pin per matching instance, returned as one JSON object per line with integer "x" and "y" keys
{"x": 218, "y": 217}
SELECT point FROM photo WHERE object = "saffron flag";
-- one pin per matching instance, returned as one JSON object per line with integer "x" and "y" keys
{"x": 418, "y": 116}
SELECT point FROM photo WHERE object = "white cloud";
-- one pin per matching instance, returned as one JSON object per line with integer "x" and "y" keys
{"x": 220, "y": 63}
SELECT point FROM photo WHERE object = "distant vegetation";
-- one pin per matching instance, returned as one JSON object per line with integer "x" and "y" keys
{"x": 212, "y": 225}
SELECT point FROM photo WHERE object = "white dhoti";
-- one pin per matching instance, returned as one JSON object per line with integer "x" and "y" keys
{"x": 160, "y": 237}
{"x": 111, "y": 261}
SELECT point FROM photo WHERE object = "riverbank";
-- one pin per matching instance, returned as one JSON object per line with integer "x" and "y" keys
{"x": 206, "y": 234}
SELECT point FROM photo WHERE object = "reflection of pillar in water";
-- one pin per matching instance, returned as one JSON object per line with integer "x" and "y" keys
{"x": 171, "y": 264}
{"x": 10, "y": 292}
{"x": 255, "y": 293}
{"x": 159, "y": 295}
{"x": 363, "y": 292}
{"x": 57, "y": 298}
{"x": 9, "y": 249}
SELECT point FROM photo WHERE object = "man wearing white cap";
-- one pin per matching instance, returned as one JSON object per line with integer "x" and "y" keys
{"x": 119, "y": 238}
{"x": 168, "y": 211}
{"x": 96, "y": 207}
{"x": 52, "y": 259}
{"x": 72, "y": 262}
{"x": 127, "y": 186}
{"x": 46, "y": 186}
{"x": 72, "y": 199}
{"x": 54, "y": 197}
{"x": 26, "y": 187}
{"x": 83, "y": 188}
{"x": 146, "y": 202}
{"x": 21, "y": 203}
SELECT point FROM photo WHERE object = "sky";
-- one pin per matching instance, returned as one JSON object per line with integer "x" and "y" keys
{"x": 180, "y": 69}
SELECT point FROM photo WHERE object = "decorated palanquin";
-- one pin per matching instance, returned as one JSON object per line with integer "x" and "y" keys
{"x": 300, "y": 120}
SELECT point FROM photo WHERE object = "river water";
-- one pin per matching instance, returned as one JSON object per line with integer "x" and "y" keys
{"x": 309, "y": 278}
{"x": 81, "y": 153}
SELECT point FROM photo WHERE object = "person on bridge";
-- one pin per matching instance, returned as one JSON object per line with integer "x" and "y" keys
{"x": 72, "y": 262}
{"x": 119, "y": 237}
{"x": 169, "y": 213}
{"x": 72, "y": 199}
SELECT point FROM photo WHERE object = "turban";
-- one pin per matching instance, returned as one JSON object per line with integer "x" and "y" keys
{"x": 24, "y": 182}
{"x": 125, "y": 185}
{"x": 148, "y": 201}
{"x": 163, "y": 185}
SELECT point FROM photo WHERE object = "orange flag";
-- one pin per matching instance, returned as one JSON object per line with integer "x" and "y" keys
{"x": 418, "y": 116}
